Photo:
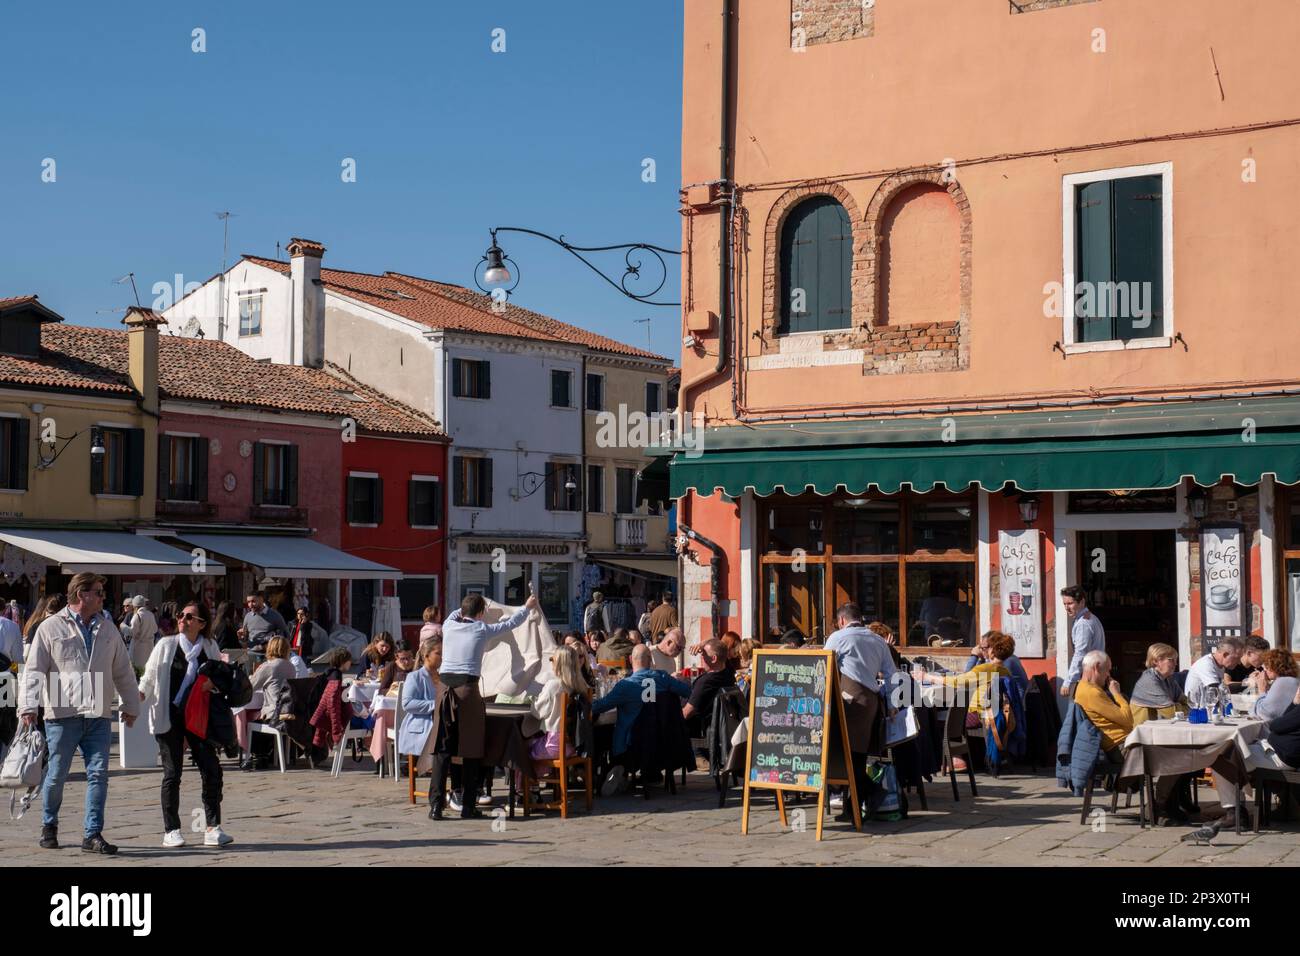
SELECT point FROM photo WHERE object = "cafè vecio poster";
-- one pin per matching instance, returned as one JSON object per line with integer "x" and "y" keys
{"x": 1020, "y": 573}
{"x": 1223, "y": 580}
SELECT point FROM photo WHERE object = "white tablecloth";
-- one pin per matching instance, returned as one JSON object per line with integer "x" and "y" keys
{"x": 1241, "y": 731}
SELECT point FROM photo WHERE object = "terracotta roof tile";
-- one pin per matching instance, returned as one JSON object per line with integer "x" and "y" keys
{"x": 441, "y": 305}
{"x": 17, "y": 300}
{"x": 82, "y": 357}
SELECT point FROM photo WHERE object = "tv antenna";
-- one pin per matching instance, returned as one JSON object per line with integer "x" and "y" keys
{"x": 224, "y": 216}
{"x": 646, "y": 323}
{"x": 130, "y": 276}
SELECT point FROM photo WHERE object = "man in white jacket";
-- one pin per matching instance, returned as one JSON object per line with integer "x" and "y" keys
{"x": 75, "y": 667}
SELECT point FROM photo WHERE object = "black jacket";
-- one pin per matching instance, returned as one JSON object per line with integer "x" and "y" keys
{"x": 1284, "y": 736}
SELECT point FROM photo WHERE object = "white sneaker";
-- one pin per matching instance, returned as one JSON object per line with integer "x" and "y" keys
{"x": 613, "y": 782}
{"x": 837, "y": 801}
{"x": 484, "y": 800}
{"x": 453, "y": 801}
{"x": 215, "y": 836}
{"x": 173, "y": 838}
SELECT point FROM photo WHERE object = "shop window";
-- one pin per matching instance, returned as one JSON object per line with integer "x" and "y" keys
{"x": 906, "y": 560}
{"x": 518, "y": 577}
{"x": 553, "y": 592}
{"x": 414, "y": 594}
{"x": 795, "y": 599}
{"x": 791, "y": 527}
{"x": 1120, "y": 501}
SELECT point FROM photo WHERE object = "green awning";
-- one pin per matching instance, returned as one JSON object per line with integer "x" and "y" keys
{"x": 1131, "y": 447}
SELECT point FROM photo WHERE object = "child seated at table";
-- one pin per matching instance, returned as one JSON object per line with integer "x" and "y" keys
{"x": 333, "y": 715}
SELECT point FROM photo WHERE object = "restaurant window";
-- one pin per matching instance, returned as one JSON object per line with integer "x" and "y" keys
{"x": 1291, "y": 568}
{"x": 424, "y": 502}
{"x": 472, "y": 482}
{"x": 561, "y": 388}
{"x": 365, "y": 499}
{"x": 275, "y": 474}
{"x": 1122, "y": 501}
{"x": 414, "y": 594}
{"x": 553, "y": 592}
{"x": 471, "y": 378}
{"x": 15, "y": 434}
{"x": 120, "y": 470}
{"x": 250, "y": 315}
{"x": 183, "y": 468}
{"x": 625, "y": 491}
{"x": 595, "y": 392}
{"x": 559, "y": 496}
{"x": 1120, "y": 247}
{"x": 906, "y": 560}
{"x": 596, "y": 489}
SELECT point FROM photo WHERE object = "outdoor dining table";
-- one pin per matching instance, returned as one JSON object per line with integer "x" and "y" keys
{"x": 1159, "y": 747}
{"x": 504, "y": 744}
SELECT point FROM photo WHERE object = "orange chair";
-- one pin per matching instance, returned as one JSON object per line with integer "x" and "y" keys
{"x": 557, "y": 770}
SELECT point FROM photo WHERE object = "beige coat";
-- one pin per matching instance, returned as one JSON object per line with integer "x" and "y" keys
{"x": 141, "y": 632}
{"x": 59, "y": 677}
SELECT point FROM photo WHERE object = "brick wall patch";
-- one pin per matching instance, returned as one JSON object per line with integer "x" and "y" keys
{"x": 1032, "y": 6}
{"x": 830, "y": 21}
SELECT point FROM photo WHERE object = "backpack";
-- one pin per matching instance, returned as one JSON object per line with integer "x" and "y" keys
{"x": 24, "y": 766}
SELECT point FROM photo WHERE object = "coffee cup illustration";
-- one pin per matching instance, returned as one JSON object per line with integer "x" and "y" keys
{"x": 1222, "y": 595}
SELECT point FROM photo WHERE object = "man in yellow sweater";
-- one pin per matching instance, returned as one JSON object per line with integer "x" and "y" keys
{"x": 1100, "y": 698}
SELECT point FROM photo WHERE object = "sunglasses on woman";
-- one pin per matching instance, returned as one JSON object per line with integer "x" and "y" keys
{"x": 187, "y": 616}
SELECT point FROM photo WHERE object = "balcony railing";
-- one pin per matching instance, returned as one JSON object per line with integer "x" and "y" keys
{"x": 629, "y": 531}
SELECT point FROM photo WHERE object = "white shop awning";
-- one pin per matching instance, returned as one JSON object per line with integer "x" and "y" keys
{"x": 287, "y": 556}
{"x": 105, "y": 552}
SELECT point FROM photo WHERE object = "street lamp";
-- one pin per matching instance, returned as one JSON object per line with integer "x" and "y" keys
{"x": 1197, "y": 502}
{"x": 497, "y": 275}
{"x": 1028, "y": 505}
{"x": 97, "y": 443}
{"x": 538, "y": 481}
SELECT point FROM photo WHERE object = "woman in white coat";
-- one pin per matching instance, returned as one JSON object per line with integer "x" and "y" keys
{"x": 170, "y": 676}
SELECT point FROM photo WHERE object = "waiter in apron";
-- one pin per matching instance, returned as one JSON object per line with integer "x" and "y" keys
{"x": 866, "y": 680}
{"x": 460, "y": 723}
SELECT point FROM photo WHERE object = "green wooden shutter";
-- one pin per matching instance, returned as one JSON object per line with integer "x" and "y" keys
{"x": 379, "y": 500}
{"x": 259, "y": 473}
{"x": 485, "y": 483}
{"x": 411, "y": 503}
{"x": 164, "y": 466}
{"x": 457, "y": 388}
{"x": 18, "y": 457}
{"x": 1093, "y": 261}
{"x": 1139, "y": 265}
{"x": 486, "y": 379}
{"x": 291, "y": 474}
{"x": 200, "y": 469}
{"x": 351, "y": 500}
{"x": 134, "y": 462}
{"x": 799, "y": 269}
{"x": 834, "y": 263}
{"x": 458, "y": 481}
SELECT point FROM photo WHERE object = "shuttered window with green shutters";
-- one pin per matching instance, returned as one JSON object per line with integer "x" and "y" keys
{"x": 1119, "y": 259}
{"x": 15, "y": 433}
{"x": 424, "y": 503}
{"x": 816, "y": 264}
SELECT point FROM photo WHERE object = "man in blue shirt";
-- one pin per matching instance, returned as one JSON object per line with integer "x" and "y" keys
{"x": 866, "y": 678}
{"x": 642, "y": 685}
{"x": 1086, "y": 634}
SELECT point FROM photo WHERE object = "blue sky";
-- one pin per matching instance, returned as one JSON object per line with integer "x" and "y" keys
{"x": 151, "y": 139}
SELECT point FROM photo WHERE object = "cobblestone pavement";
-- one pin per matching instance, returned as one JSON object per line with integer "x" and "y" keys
{"x": 307, "y": 817}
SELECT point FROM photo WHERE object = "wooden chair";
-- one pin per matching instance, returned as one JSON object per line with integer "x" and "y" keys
{"x": 955, "y": 744}
{"x": 1112, "y": 784}
{"x": 1263, "y": 780}
{"x": 558, "y": 768}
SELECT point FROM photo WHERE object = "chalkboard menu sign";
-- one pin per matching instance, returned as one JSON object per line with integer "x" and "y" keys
{"x": 796, "y": 727}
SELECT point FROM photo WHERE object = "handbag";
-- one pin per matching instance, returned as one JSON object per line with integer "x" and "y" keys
{"x": 24, "y": 766}
{"x": 902, "y": 727}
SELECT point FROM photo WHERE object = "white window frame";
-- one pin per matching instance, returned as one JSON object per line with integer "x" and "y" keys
{"x": 437, "y": 481}
{"x": 239, "y": 317}
{"x": 437, "y": 591}
{"x": 1069, "y": 183}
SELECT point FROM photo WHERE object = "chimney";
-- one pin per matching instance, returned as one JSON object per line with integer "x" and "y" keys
{"x": 142, "y": 349}
{"x": 309, "y": 301}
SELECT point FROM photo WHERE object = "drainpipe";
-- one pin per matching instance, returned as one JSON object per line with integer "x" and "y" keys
{"x": 715, "y": 563}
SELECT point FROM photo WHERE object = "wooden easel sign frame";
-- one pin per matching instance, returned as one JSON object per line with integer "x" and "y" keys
{"x": 795, "y": 705}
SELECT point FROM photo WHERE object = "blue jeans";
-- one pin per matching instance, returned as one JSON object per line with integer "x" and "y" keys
{"x": 64, "y": 737}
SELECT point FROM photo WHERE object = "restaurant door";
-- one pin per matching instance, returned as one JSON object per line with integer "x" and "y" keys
{"x": 1131, "y": 583}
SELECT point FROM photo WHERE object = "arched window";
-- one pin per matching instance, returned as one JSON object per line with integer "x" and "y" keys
{"x": 816, "y": 262}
